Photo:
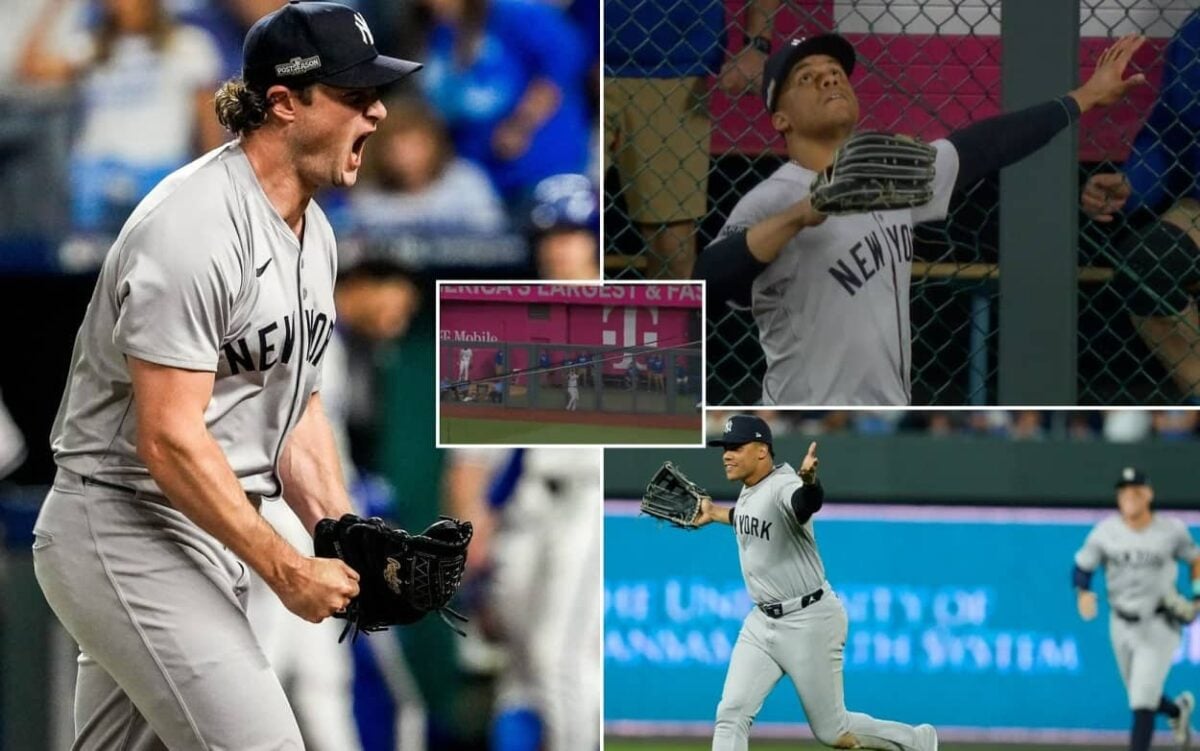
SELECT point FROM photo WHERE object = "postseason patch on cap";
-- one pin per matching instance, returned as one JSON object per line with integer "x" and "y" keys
{"x": 298, "y": 66}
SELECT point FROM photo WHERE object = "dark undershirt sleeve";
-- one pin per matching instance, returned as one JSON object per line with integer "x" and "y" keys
{"x": 729, "y": 268}
{"x": 988, "y": 145}
{"x": 807, "y": 501}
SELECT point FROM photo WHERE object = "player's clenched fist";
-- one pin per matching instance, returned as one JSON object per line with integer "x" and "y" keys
{"x": 1104, "y": 195}
{"x": 318, "y": 588}
{"x": 1087, "y": 605}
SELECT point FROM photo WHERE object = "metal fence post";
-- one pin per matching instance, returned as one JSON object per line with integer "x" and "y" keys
{"x": 1039, "y": 204}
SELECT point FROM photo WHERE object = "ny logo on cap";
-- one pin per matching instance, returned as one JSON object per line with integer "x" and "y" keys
{"x": 1127, "y": 473}
{"x": 729, "y": 425}
{"x": 361, "y": 23}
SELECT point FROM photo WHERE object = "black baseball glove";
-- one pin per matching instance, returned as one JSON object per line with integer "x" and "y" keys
{"x": 402, "y": 576}
{"x": 875, "y": 172}
{"x": 673, "y": 497}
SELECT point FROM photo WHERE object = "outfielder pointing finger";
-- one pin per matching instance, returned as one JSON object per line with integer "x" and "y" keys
{"x": 830, "y": 294}
{"x": 798, "y": 627}
{"x": 193, "y": 396}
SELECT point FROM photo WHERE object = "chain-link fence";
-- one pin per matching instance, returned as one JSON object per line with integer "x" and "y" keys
{"x": 532, "y": 376}
{"x": 685, "y": 144}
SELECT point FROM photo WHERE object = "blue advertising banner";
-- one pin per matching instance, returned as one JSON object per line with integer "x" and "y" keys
{"x": 960, "y": 617}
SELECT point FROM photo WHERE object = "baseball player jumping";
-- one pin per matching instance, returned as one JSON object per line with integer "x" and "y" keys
{"x": 194, "y": 395}
{"x": 830, "y": 294}
{"x": 798, "y": 626}
{"x": 572, "y": 389}
{"x": 1138, "y": 550}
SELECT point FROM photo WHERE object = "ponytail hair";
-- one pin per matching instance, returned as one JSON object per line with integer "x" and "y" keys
{"x": 240, "y": 109}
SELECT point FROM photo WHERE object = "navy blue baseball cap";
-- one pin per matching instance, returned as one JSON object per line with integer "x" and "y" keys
{"x": 1132, "y": 476}
{"x": 304, "y": 43}
{"x": 741, "y": 429}
{"x": 780, "y": 64}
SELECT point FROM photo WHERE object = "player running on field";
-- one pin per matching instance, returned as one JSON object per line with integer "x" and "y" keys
{"x": 798, "y": 627}
{"x": 1139, "y": 550}
{"x": 194, "y": 395}
{"x": 830, "y": 295}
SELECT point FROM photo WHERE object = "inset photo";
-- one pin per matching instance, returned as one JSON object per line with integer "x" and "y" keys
{"x": 570, "y": 364}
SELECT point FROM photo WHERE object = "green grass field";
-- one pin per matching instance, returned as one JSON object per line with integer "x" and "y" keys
{"x": 465, "y": 430}
{"x": 704, "y": 745}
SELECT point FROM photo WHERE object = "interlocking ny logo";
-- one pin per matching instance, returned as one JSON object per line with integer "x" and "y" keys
{"x": 729, "y": 425}
{"x": 361, "y": 23}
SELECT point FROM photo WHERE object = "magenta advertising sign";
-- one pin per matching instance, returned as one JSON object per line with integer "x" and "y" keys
{"x": 590, "y": 319}
{"x": 662, "y": 295}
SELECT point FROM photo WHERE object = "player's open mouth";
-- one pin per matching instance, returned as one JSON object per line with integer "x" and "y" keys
{"x": 356, "y": 151}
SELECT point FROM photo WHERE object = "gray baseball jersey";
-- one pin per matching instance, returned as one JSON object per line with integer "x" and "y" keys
{"x": 778, "y": 554}
{"x": 1140, "y": 565}
{"x": 205, "y": 276}
{"x": 833, "y": 309}
{"x": 781, "y": 563}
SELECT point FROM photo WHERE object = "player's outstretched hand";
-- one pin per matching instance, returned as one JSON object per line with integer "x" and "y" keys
{"x": 1108, "y": 83}
{"x": 318, "y": 588}
{"x": 1104, "y": 195}
{"x": 808, "y": 467}
{"x": 1087, "y": 605}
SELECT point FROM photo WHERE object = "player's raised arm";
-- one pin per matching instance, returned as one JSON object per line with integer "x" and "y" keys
{"x": 988, "y": 145}
{"x": 809, "y": 497}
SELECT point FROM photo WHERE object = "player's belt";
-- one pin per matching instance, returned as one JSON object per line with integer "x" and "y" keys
{"x": 1126, "y": 616}
{"x": 141, "y": 495}
{"x": 780, "y": 609}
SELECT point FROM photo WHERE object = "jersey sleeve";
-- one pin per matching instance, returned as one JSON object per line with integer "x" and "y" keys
{"x": 1091, "y": 556}
{"x": 1186, "y": 549}
{"x": 787, "y": 486}
{"x": 174, "y": 296}
{"x": 945, "y": 172}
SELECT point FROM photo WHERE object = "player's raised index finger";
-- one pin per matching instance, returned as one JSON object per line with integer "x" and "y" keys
{"x": 812, "y": 449}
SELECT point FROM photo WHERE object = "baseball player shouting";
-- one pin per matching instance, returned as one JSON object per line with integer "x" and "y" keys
{"x": 830, "y": 294}
{"x": 799, "y": 626}
{"x": 193, "y": 395}
{"x": 1138, "y": 550}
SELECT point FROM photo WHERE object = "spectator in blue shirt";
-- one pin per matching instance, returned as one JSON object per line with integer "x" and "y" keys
{"x": 507, "y": 77}
{"x": 657, "y": 56}
{"x": 1157, "y": 256}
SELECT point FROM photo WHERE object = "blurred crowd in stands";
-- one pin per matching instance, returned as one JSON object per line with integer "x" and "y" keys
{"x": 1116, "y": 426}
{"x": 100, "y": 99}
